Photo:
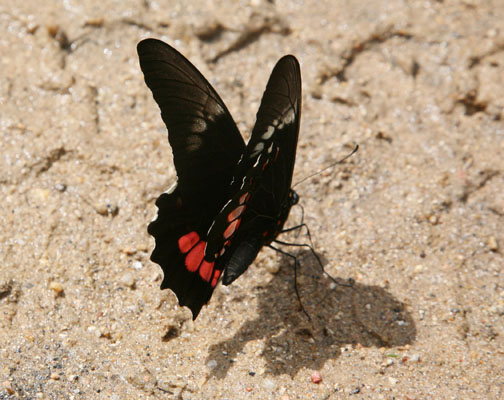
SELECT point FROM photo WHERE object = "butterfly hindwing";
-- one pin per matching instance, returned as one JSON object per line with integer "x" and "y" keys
{"x": 180, "y": 243}
{"x": 277, "y": 123}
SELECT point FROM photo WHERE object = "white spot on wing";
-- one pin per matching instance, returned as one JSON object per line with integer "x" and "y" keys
{"x": 213, "y": 110}
{"x": 199, "y": 125}
{"x": 290, "y": 117}
{"x": 257, "y": 149}
{"x": 193, "y": 142}
{"x": 269, "y": 132}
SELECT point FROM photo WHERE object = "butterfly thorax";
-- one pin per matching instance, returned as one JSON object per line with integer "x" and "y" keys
{"x": 275, "y": 227}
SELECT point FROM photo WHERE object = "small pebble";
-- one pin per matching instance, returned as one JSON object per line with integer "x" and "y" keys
{"x": 101, "y": 208}
{"x": 106, "y": 209}
{"x": 316, "y": 377}
{"x": 212, "y": 364}
{"x": 94, "y": 331}
{"x": 268, "y": 384}
{"x": 143, "y": 247}
{"x": 56, "y": 287}
{"x": 433, "y": 219}
{"x": 60, "y": 187}
{"x": 112, "y": 209}
{"x": 40, "y": 194}
{"x": 8, "y": 387}
{"x": 129, "y": 251}
{"x": 95, "y": 22}
{"x": 492, "y": 244}
{"x": 128, "y": 280}
{"x": 272, "y": 267}
{"x": 55, "y": 376}
{"x": 392, "y": 381}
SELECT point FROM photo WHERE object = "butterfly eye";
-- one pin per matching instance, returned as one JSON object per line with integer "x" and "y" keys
{"x": 294, "y": 197}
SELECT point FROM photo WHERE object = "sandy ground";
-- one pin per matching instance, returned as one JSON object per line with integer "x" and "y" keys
{"x": 415, "y": 217}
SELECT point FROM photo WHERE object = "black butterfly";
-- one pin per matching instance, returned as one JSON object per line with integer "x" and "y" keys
{"x": 230, "y": 200}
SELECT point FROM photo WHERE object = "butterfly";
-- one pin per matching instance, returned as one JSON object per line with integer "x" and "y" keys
{"x": 230, "y": 199}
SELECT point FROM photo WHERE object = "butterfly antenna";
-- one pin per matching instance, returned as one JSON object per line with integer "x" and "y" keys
{"x": 329, "y": 166}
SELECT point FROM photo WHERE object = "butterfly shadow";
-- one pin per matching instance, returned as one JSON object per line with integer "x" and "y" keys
{"x": 341, "y": 315}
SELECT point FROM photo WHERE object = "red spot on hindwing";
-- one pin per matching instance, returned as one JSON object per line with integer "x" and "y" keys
{"x": 235, "y": 213}
{"x": 195, "y": 257}
{"x": 194, "y": 260}
{"x": 232, "y": 227}
{"x": 244, "y": 198}
{"x": 188, "y": 241}
{"x": 215, "y": 278}
{"x": 206, "y": 270}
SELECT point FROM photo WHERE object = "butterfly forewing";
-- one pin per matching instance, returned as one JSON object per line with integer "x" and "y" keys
{"x": 278, "y": 121}
{"x": 205, "y": 141}
{"x": 263, "y": 175}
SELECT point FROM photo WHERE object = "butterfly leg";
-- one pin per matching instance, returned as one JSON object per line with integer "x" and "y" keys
{"x": 295, "y": 277}
{"x": 319, "y": 261}
{"x": 301, "y": 224}
{"x": 298, "y": 228}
